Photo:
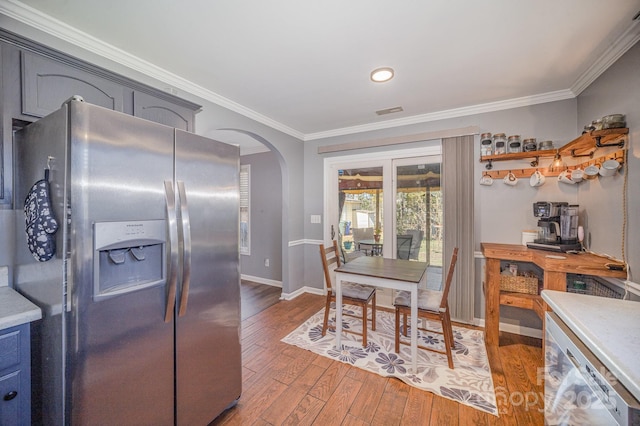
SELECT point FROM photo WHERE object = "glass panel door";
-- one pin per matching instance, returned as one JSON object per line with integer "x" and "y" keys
{"x": 360, "y": 211}
{"x": 418, "y": 210}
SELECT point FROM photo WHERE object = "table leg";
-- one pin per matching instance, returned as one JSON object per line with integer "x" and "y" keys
{"x": 414, "y": 328}
{"x": 338, "y": 311}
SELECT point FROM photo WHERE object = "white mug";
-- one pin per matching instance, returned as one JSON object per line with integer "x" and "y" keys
{"x": 486, "y": 180}
{"x": 609, "y": 168}
{"x": 577, "y": 175}
{"x": 510, "y": 179}
{"x": 591, "y": 172}
{"x": 565, "y": 177}
{"x": 537, "y": 179}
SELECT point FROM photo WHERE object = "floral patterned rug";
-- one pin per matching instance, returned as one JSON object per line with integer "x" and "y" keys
{"x": 468, "y": 383}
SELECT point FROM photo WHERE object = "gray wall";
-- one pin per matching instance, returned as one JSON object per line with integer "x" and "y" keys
{"x": 615, "y": 91}
{"x": 266, "y": 217}
{"x": 501, "y": 211}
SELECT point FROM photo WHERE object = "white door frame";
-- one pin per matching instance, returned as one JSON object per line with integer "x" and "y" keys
{"x": 372, "y": 159}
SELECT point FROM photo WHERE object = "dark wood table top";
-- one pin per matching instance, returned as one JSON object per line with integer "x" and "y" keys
{"x": 380, "y": 267}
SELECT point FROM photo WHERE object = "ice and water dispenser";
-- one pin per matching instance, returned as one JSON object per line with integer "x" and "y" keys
{"x": 128, "y": 256}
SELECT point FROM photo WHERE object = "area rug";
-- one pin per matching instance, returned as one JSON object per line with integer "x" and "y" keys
{"x": 469, "y": 383}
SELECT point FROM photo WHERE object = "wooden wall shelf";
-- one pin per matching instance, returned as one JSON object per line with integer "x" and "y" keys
{"x": 527, "y": 172}
{"x": 519, "y": 155}
{"x": 588, "y": 143}
{"x": 583, "y": 146}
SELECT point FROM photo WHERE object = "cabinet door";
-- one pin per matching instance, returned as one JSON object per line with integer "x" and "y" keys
{"x": 15, "y": 376}
{"x": 164, "y": 112}
{"x": 46, "y": 84}
{"x": 10, "y": 398}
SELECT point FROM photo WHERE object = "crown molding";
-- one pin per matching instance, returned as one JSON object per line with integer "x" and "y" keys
{"x": 49, "y": 25}
{"x": 618, "y": 48}
{"x": 450, "y": 113}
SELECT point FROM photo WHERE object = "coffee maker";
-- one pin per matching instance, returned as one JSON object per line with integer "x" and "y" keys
{"x": 557, "y": 226}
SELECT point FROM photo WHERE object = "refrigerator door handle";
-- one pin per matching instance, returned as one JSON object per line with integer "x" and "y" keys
{"x": 172, "y": 268}
{"x": 186, "y": 256}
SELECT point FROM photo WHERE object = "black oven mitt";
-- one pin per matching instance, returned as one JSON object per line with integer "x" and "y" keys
{"x": 40, "y": 221}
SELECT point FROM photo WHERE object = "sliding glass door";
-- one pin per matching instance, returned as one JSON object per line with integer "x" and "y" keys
{"x": 386, "y": 204}
{"x": 418, "y": 213}
{"x": 395, "y": 195}
{"x": 360, "y": 214}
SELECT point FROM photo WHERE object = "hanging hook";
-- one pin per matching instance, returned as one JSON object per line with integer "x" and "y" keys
{"x": 534, "y": 163}
{"x": 49, "y": 158}
{"x": 489, "y": 165}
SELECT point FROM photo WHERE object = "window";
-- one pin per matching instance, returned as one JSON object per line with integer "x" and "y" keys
{"x": 245, "y": 209}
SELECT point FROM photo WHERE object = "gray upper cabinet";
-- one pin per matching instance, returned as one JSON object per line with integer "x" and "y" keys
{"x": 46, "y": 84}
{"x": 35, "y": 80}
{"x": 155, "y": 109}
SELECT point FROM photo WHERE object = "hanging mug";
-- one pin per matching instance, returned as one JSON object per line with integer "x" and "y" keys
{"x": 577, "y": 175}
{"x": 537, "y": 179}
{"x": 565, "y": 177}
{"x": 486, "y": 180}
{"x": 510, "y": 179}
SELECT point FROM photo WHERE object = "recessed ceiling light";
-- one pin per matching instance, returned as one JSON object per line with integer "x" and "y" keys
{"x": 380, "y": 75}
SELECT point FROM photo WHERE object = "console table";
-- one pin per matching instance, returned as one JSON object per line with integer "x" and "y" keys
{"x": 555, "y": 267}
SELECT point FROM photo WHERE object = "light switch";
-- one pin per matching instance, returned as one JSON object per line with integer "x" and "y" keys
{"x": 315, "y": 218}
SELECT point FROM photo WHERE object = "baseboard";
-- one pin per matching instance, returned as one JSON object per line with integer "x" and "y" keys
{"x": 300, "y": 291}
{"x": 261, "y": 280}
{"x": 513, "y": 328}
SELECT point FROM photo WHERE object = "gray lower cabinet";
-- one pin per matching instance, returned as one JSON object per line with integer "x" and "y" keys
{"x": 15, "y": 376}
{"x": 46, "y": 84}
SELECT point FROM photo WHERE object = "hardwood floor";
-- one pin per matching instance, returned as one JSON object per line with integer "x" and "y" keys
{"x": 255, "y": 298}
{"x": 286, "y": 385}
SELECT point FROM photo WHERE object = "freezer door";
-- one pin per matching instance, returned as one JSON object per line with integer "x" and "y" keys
{"x": 120, "y": 349}
{"x": 208, "y": 358}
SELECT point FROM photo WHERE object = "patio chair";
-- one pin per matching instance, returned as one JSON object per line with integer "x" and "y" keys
{"x": 360, "y": 234}
{"x": 403, "y": 246}
{"x": 416, "y": 242}
{"x": 352, "y": 293}
{"x": 432, "y": 306}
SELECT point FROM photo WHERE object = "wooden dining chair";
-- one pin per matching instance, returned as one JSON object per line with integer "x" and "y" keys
{"x": 352, "y": 293}
{"x": 433, "y": 306}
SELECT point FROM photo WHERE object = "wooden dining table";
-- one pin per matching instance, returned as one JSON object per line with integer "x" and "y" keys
{"x": 378, "y": 271}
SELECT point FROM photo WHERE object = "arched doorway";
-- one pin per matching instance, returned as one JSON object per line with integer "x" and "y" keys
{"x": 267, "y": 258}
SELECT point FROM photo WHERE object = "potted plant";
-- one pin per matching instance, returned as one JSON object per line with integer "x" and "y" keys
{"x": 376, "y": 234}
{"x": 347, "y": 244}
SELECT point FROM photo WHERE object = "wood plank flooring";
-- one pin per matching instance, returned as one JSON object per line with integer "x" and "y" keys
{"x": 255, "y": 298}
{"x": 286, "y": 385}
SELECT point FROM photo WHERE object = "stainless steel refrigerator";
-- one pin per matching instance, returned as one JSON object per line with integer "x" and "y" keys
{"x": 141, "y": 299}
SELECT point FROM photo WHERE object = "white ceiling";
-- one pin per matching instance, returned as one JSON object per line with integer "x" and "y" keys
{"x": 302, "y": 66}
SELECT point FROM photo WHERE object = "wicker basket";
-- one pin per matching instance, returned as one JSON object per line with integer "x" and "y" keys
{"x": 519, "y": 284}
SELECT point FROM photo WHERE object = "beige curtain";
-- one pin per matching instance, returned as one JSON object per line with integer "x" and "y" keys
{"x": 457, "y": 181}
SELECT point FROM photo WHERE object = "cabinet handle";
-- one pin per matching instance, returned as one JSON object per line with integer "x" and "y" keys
{"x": 9, "y": 396}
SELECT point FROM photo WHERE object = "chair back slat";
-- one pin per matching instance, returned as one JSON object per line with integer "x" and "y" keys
{"x": 447, "y": 285}
{"x": 330, "y": 261}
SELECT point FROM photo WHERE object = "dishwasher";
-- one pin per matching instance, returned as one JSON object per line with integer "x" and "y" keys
{"x": 578, "y": 388}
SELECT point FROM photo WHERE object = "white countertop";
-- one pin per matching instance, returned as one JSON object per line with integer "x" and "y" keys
{"x": 15, "y": 309}
{"x": 610, "y": 328}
